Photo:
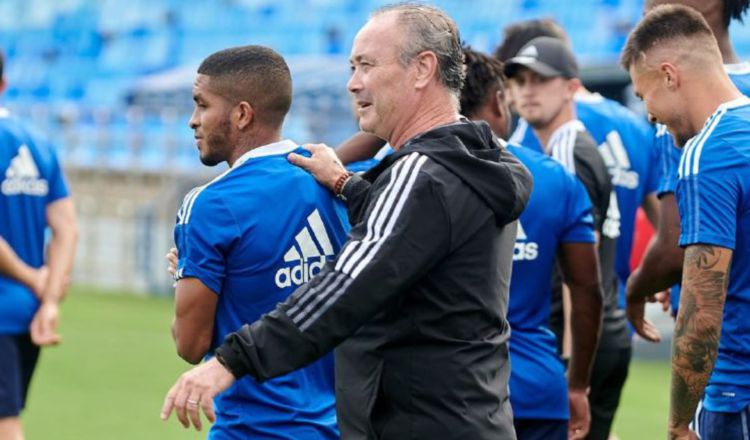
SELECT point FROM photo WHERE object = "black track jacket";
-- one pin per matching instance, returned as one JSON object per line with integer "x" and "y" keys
{"x": 416, "y": 300}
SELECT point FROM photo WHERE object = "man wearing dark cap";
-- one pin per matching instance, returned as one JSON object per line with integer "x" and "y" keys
{"x": 543, "y": 81}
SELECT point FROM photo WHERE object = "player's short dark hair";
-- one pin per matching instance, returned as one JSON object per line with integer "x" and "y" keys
{"x": 516, "y": 35}
{"x": 2, "y": 63}
{"x": 484, "y": 75}
{"x": 430, "y": 29}
{"x": 734, "y": 10}
{"x": 661, "y": 24}
{"x": 255, "y": 74}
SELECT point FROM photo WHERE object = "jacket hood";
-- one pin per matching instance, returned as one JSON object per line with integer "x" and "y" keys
{"x": 470, "y": 151}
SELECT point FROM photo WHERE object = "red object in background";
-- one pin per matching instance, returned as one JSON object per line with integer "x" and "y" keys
{"x": 643, "y": 233}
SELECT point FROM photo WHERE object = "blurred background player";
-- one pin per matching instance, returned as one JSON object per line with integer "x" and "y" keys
{"x": 557, "y": 222}
{"x": 661, "y": 267}
{"x": 248, "y": 238}
{"x": 625, "y": 143}
{"x": 676, "y": 67}
{"x": 33, "y": 197}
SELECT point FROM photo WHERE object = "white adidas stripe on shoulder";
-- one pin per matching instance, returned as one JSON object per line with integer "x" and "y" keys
{"x": 690, "y": 160}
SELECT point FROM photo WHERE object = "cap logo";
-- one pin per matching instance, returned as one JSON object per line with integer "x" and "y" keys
{"x": 529, "y": 52}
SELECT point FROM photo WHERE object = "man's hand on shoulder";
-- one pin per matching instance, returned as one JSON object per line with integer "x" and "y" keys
{"x": 323, "y": 164}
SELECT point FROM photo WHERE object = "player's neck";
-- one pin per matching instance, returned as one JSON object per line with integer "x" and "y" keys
{"x": 253, "y": 141}
{"x": 728, "y": 55}
{"x": 708, "y": 96}
{"x": 544, "y": 133}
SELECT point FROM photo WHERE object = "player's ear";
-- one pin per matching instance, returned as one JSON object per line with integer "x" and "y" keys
{"x": 573, "y": 85}
{"x": 427, "y": 65}
{"x": 670, "y": 76}
{"x": 244, "y": 115}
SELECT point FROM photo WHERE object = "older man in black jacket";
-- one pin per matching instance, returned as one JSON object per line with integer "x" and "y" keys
{"x": 417, "y": 298}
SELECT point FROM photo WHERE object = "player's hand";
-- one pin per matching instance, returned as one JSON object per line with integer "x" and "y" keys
{"x": 682, "y": 433}
{"x": 195, "y": 391}
{"x": 664, "y": 299}
{"x": 324, "y": 165}
{"x": 636, "y": 311}
{"x": 580, "y": 416}
{"x": 172, "y": 257}
{"x": 44, "y": 325}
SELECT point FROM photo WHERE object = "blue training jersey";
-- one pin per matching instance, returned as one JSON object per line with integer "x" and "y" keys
{"x": 31, "y": 179}
{"x": 669, "y": 153}
{"x": 253, "y": 235}
{"x": 626, "y": 143}
{"x": 558, "y": 211}
{"x": 713, "y": 196}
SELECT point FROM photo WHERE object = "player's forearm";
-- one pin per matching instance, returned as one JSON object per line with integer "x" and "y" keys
{"x": 586, "y": 322}
{"x": 61, "y": 253}
{"x": 697, "y": 331}
{"x": 660, "y": 269}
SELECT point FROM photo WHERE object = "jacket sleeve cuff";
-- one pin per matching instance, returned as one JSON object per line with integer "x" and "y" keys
{"x": 229, "y": 355}
{"x": 355, "y": 186}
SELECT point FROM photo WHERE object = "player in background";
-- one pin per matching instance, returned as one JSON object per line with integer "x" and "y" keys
{"x": 661, "y": 266}
{"x": 33, "y": 197}
{"x": 248, "y": 238}
{"x": 676, "y": 67}
{"x": 537, "y": 98}
{"x": 557, "y": 222}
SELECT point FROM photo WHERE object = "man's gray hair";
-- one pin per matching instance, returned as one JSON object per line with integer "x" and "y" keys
{"x": 430, "y": 29}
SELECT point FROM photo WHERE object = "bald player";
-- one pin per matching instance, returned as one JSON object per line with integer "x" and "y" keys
{"x": 676, "y": 66}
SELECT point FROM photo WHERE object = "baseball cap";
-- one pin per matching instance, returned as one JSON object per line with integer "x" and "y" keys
{"x": 547, "y": 56}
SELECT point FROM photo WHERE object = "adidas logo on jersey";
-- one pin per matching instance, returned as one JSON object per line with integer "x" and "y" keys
{"x": 22, "y": 176}
{"x": 524, "y": 250}
{"x": 309, "y": 251}
{"x": 616, "y": 158}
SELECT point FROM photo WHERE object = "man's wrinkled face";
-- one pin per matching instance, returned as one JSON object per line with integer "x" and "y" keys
{"x": 663, "y": 106}
{"x": 379, "y": 83}
{"x": 210, "y": 122}
{"x": 539, "y": 99}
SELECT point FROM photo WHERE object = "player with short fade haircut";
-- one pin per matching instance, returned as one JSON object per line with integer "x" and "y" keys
{"x": 247, "y": 239}
{"x": 254, "y": 74}
{"x": 661, "y": 266}
{"x": 676, "y": 67}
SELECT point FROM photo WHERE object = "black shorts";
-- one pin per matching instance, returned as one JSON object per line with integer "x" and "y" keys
{"x": 18, "y": 356}
{"x": 541, "y": 429}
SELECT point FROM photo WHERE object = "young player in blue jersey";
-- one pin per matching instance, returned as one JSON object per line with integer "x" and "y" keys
{"x": 676, "y": 68}
{"x": 33, "y": 197}
{"x": 661, "y": 266}
{"x": 250, "y": 237}
{"x": 545, "y": 404}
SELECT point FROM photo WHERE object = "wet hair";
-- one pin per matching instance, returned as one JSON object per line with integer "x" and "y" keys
{"x": 430, "y": 29}
{"x": 484, "y": 75}
{"x": 255, "y": 74}
{"x": 662, "y": 24}
{"x": 516, "y": 35}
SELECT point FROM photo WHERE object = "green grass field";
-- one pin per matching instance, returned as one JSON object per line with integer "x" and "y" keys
{"x": 108, "y": 378}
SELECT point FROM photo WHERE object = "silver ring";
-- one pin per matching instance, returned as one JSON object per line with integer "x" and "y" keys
{"x": 192, "y": 402}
